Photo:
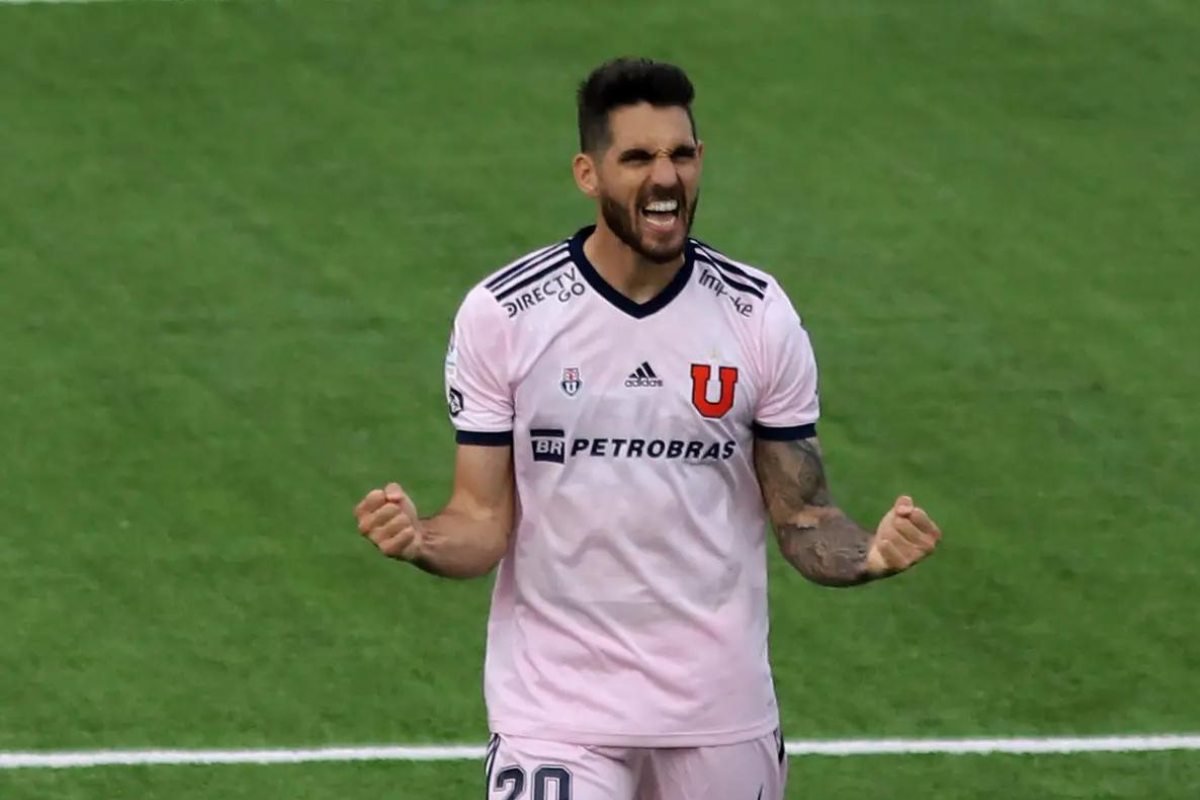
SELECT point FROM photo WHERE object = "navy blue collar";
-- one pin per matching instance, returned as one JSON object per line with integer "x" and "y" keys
{"x": 605, "y": 290}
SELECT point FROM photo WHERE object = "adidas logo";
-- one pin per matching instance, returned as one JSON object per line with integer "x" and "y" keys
{"x": 643, "y": 376}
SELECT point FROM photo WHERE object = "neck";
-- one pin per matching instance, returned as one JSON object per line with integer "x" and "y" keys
{"x": 626, "y": 270}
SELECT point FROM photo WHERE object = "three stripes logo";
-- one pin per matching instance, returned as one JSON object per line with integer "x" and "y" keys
{"x": 643, "y": 377}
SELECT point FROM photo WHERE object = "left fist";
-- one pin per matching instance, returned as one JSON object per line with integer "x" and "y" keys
{"x": 905, "y": 536}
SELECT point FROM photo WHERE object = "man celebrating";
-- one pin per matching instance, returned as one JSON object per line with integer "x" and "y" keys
{"x": 631, "y": 406}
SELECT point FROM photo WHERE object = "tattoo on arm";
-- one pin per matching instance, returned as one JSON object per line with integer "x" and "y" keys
{"x": 815, "y": 536}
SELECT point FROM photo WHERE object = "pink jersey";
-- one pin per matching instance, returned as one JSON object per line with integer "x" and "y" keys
{"x": 631, "y": 606}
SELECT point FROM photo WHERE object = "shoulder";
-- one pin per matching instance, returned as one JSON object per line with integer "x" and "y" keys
{"x": 500, "y": 294}
{"x": 749, "y": 288}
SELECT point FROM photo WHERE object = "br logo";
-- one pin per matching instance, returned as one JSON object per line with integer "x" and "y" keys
{"x": 701, "y": 377}
{"x": 548, "y": 444}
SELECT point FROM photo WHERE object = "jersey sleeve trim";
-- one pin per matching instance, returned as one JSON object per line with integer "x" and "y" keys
{"x": 486, "y": 438}
{"x": 784, "y": 434}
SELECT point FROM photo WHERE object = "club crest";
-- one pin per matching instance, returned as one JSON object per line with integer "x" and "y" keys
{"x": 713, "y": 409}
{"x": 571, "y": 382}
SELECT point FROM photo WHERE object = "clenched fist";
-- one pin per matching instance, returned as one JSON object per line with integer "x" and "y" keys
{"x": 905, "y": 536}
{"x": 389, "y": 519}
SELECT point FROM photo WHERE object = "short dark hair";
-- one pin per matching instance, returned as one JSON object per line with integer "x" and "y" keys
{"x": 627, "y": 82}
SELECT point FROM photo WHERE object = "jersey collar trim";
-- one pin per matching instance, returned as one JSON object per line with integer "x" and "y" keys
{"x": 605, "y": 289}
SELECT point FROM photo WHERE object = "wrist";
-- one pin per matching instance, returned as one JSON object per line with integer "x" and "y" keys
{"x": 417, "y": 550}
{"x": 876, "y": 565}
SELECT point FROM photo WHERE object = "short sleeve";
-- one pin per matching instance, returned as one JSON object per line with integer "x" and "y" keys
{"x": 788, "y": 407}
{"x": 478, "y": 393}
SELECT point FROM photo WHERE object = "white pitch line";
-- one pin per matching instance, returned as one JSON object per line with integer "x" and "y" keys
{"x": 81, "y": 2}
{"x": 104, "y": 758}
{"x": 843, "y": 747}
{"x": 33, "y": 2}
{"x": 1015, "y": 746}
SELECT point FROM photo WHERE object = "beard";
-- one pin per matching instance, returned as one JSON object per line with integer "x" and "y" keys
{"x": 624, "y": 223}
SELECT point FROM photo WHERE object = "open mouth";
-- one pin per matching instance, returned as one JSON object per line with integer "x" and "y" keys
{"x": 661, "y": 214}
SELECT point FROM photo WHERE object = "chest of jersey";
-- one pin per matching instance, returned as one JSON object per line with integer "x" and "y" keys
{"x": 605, "y": 386}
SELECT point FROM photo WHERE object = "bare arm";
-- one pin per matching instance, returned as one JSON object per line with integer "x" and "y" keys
{"x": 468, "y": 537}
{"x": 815, "y": 536}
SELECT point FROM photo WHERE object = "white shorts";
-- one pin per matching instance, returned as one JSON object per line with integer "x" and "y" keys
{"x": 534, "y": 769}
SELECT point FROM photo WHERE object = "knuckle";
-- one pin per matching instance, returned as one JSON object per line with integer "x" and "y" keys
{"x": 395, "y": 546}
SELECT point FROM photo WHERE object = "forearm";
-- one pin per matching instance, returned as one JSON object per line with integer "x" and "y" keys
{"x": 458, "y": 544}
{"x": 826, "y": 546}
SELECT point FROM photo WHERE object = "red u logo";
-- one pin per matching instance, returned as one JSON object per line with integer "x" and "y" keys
{"x": 700, "y": 375}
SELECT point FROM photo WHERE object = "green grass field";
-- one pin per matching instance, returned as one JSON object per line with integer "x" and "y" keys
{"x": 232, "y": 238}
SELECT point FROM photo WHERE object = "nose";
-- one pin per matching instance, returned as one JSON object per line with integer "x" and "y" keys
{"x": 663, "y": 172}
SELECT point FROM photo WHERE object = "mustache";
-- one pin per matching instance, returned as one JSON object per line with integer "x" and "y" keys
{"x": 654, "y": 195}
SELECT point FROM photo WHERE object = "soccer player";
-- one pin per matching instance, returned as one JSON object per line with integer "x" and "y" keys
{"x": 632, "y": 406}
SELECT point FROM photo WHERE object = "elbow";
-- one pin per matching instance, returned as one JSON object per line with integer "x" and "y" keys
{"x": 834, "y": 573}
{"x": 832, "y": 579}
{"x": 465, "y": 570}
{"x": 462, "y": 558}
{"x": 494, "y": 548}
{"x": 465, "y": 573}
{"x": 826, "y": 555}
{"x": 482, "y": 566}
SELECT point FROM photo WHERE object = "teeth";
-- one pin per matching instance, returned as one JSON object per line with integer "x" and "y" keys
{"x": 663, "y": 205}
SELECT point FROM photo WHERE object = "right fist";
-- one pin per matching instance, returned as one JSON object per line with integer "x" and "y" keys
{"x": 389, "y": 519}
